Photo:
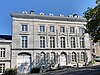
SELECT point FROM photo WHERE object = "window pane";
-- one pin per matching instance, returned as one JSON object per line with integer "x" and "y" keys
{"x": 42, "y": 42}
{"x": 52, "y": 42}
{"x": 72, "y": 30}
{"x": 81, "y": 30}
{"x": 72, "y": 42}
{"x": 24, "y": 42}
{"x": 62, "y": 42}
{"x": 42, "y": 28}
{"x": 52, "y": 29}
{"x": 62, "y": 29}
{"x": 24, "y": 28}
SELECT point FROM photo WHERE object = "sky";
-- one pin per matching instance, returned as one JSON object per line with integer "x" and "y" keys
{"x": 66, "y": 7}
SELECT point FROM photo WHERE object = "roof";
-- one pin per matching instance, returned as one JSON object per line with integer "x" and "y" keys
{"x": 6, "y": 37}
{"x": 48, "y": 17}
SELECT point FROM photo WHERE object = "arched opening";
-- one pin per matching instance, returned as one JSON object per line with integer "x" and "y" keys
{"x": 24, "y": 62}
{"x": 53, "y": 59}
{"x": 83, "y": 56}
{"x": 63, "y": 59}
{"x": 74, "y": 57}
{"x": 42, "y": 58}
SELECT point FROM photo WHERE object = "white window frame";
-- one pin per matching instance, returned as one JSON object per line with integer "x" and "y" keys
{"x": 73, "y": 42}
{"x": 62, "y": 29}
{"x": 2, "y": 52}
{"x": 74, "y": 57}
{"x": 42, "y": 28}
{"x": 42, "y": 41}
{"x": 81, "y": 30}
{"x": 24, "y": 28}
{"x": 62, "y": 42}
{"x": 2, "y": 67}
{"x": 72, "y": 29}
{"x": 24, "y": 41}
{"x": 82, "y": 56}
{"x": 52, "y": 42}
{"x": 52, "y": 28}
{"x": 82, "y": 43}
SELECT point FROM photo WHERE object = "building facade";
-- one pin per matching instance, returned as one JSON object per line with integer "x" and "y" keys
{"x": 49, "y": 41}
{"x": 96, "y": 49}
{"x": 5, "y": 52}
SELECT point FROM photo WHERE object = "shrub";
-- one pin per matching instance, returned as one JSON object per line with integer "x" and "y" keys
{"x": 11, "y": 71}
{"x": 35, "y": 70}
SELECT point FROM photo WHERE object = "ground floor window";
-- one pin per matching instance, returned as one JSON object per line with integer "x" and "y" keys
{"x": 2, "y": 68}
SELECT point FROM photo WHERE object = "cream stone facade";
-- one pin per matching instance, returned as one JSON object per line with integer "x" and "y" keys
{"x": 5, "y": 53}
{"x": 48, "y": 41}
{"x": 96, "y": 49}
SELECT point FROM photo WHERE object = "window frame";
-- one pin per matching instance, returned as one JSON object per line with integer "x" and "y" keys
{"x": 52, "y": 28}
{"x": 73, "y": 42}
{"x": 63, "y": 42}
{"x": 52, "y": 42}
{"x": 2, "y": 66}
{"x": 62, "y": 29}
{"x": 72, "y": 29}
{"x": 2, "y": 52}
{"x": 82, "y": 42}
{"x": 42, "y": 41}
{"x": 24, "y": 28}
{"x": 42, "y": 28}
{"x": 24, "y": 41}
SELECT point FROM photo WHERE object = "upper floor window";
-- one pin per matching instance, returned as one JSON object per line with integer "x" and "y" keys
{"x": 52, "y": 29}
{"x": 62, "y": 42}
{"x": 2, "y": 68}
{"x": 81, "y": 30}
{"x": 24, "y": 28}
{"x": 24, "y": 41}
{"x": 2, "y": 52}
{"x": 62, "y": 29}
{"x": 42, "y": 42}
{"x": 52, "y": 42}
{"x": 72, "y": 42}
{"x": 42, "y": 28}
{"x": 81, "y": 42}
{"x": 72, "y": 30}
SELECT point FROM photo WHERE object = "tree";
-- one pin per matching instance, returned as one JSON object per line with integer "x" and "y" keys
{"x": 93, "y": 22}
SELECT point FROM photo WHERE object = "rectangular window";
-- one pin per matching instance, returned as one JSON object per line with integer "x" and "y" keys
{"x": 42, "y": 28}
{"x": 24, "y": 41}
{"x": 62, "y": 29}
{"x": 2, "y": 68}
{"x": 62, "y": 42}
{"x": 72, "y": 30}
{"x": 52, "y": 29}
{"x": 2, "y": 52}
{"x": 24, "y": 28}
{"x": 42, "y": 42}
{"x": 72, "y": 42}
{"x": 81, "y": 30}
{"x": 81, "y": 42}
{"x": 52, "y": 42}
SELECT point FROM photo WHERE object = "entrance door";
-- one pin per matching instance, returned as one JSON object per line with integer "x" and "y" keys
{"x": 23, "y": 63}
{"x": 63, "y": 60}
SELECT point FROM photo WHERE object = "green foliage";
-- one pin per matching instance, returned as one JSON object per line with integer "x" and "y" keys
{"x": 35, "y": 70}
{"x": 10, "y": 71}
{"x": 93, "y": 22}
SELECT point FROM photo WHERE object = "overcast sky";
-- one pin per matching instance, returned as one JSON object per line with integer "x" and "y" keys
{"x": 66, "y": 7}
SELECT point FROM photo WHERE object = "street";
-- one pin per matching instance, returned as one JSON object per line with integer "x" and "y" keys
{"x": 94, "y": 70}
